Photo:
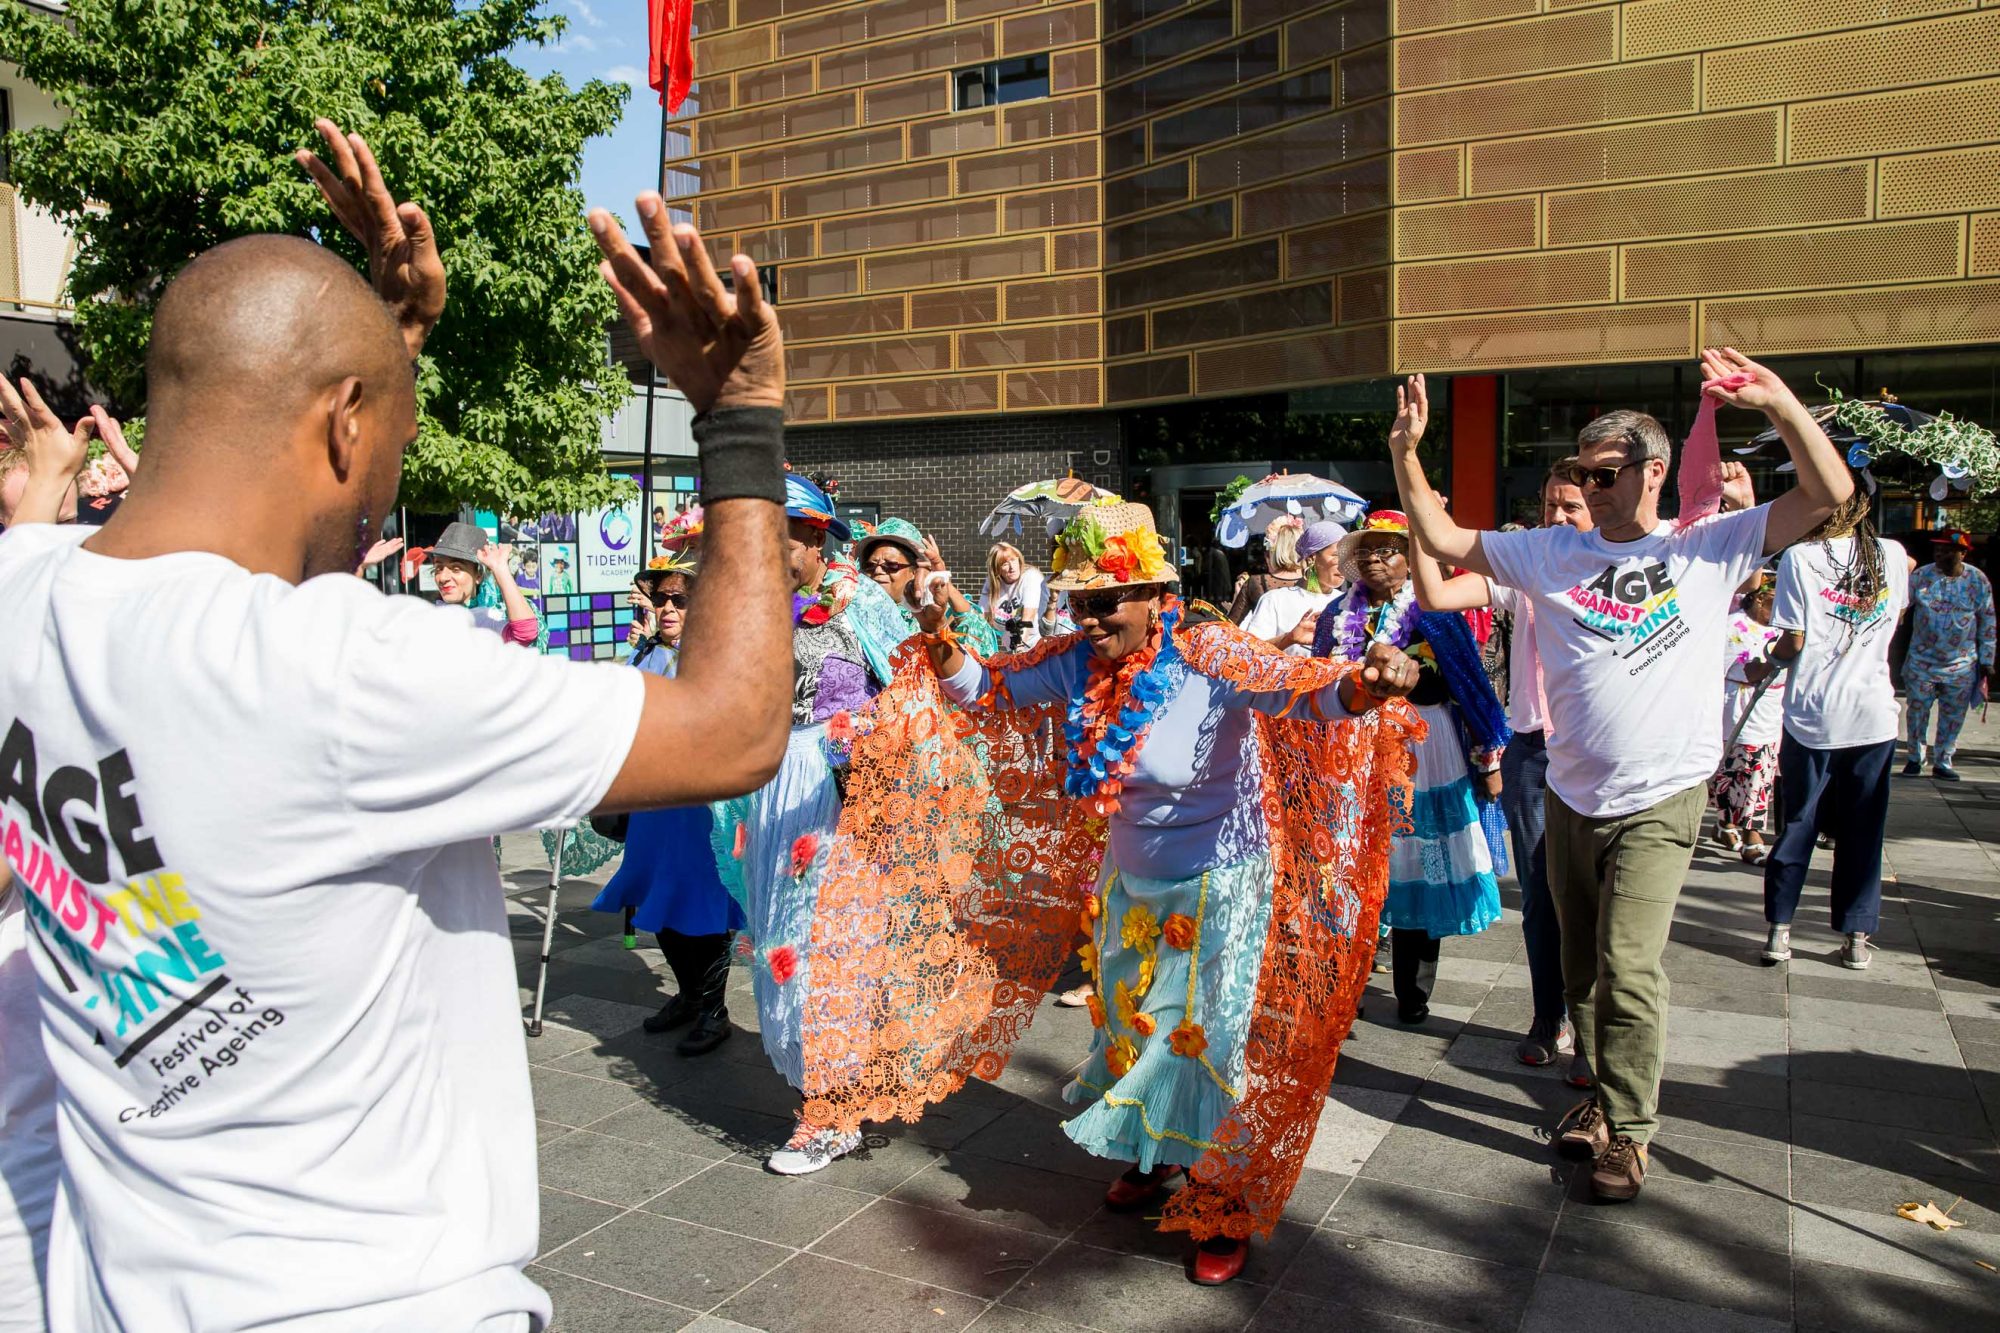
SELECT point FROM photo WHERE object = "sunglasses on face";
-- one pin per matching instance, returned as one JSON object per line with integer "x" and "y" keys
{"x": 678, "y": 600}
{"x": 1603, "y": 478}
{"x": 1101, "y": 605}
{"x": 1378, "y": 555}
{"x": 886, "y": 566}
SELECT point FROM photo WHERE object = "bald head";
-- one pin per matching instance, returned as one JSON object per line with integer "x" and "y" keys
{"x": 260, "y": 328}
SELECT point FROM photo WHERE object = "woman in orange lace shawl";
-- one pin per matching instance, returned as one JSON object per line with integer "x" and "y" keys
{"x": 1244, "y": 800}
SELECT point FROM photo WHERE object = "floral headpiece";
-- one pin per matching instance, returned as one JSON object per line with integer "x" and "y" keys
{"x": 1110, "y": 544}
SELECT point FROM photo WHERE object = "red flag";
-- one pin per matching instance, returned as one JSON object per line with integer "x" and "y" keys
{"x": 670, "y": 59}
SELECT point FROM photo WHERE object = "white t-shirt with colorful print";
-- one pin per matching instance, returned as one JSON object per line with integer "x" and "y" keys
{"x": 252, "y": 825}
{"x": 1628, "y": 633}
{"x": 1840, "y": 694}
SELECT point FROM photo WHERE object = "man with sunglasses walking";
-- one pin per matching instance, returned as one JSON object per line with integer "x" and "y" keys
{"x": 1629, "y": 616}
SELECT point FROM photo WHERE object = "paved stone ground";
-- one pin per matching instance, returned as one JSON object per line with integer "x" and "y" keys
{"x": 1802, "y": 1104}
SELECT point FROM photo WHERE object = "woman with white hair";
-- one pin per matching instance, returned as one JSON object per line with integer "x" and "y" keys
{"x": 1287, "y": 615}
{"x": 1012, "y": 597}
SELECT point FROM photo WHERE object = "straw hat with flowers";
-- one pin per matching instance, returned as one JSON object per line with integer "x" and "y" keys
{"x": 1110, "y": 544}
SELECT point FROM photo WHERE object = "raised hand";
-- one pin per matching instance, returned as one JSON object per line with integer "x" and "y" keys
{"x": 1733, "y": 378}
{"x": 113, "y": 435}
{"x": 1413, "y": 413}
{"x": 403, "y": 262}
{"x": 54, "y": 454}
{"x": 381, "y": 551}
{"x": 1301, "y": 635}
{"x": 1738, "y": 490}
{"x": 717, "y": 349}
{"x": 496, "y": 556}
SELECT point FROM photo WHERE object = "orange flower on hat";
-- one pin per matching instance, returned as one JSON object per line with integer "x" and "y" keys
{"x": 1188, "y": 1039}
{"x": 1179, "y": 931}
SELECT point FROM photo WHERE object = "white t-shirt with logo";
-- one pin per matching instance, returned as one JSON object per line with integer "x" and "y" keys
{"x": 252, "y": 820}
{"x": 1628, "y": 633}
{"x": 29, "y": 1161}
{"x": 1840, "y": 694}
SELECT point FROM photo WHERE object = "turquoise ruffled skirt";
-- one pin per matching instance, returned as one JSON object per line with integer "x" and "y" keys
{"x": 1176, "y": 972}
{"x": 786, "y": 830}
{"x": 1441, "y": 873}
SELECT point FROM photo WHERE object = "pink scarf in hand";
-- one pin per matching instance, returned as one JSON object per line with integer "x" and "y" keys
{"x": 1699, "y": 480}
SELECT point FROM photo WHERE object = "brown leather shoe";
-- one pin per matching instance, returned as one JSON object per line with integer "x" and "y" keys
{"x": 1620, "y": 1171}
{"x": 1582, "y": 1132}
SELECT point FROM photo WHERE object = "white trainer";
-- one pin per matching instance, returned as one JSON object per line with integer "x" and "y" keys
{"x": 1778, "y": 948}
{"x": 811, "y": 1150}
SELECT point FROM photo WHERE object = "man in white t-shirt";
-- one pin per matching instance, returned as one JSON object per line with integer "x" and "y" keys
{"x": 248, "y": 799}
{"x": 1840, "y": 594}
{"x": 1629, "y": 618}
{"x": 30, "y": 1164}
{"x": 1524, "y": 772}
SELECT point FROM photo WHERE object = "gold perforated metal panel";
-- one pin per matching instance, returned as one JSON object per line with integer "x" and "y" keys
{"x": 1854, "y": 62}
{"x": 907, "y": 55}
{"x": 960, "y": 220}
{"x": 773, "y": 83}
{"x": 1663, "y": 27}
{"x": 816, "y": 157}
{"x": 810, "y": 403}
{"x": 1942, "y": 117}
{"x": 1339, "y": 354}
{"x": 1052, "y": 298}
{"x": 1429, "y": 173}
{"x": 775, "y": 244}
{"x": 1626, "y": 152}
{"x": 954, "y": 134}
{"x": 1364, "y": 297}
{"x": 1484, "y": 225}
{"x": 958, "y": 263}
{"x": 861, "y": 360}
{"x": 1941, "y": 182}
{"x": 1605, "y": 334}
{"x": 1139, "y": 381}
{"x": 1947, "y": 315}
{"x": 1985, "y": 248}
{"x": 939, "y": 395}
{"x": 1560, "y": 277}
{"x": 1033, "y": 390}
{"x": 1046, "y": 29}
{"x": 839, "y": 319}
{"x": 1555, "y": 101}
{"x": 1069, "y": 207}
{"x": 960, "y": 305}
{"x": 1754, "y": 201}
{"x": 811, "y": 282}
{"x": 1777, "y": 261}
{"x": 1412, "y": 15}
{"x": 1352, "y": 243}
{"x": 1075, "y": 250}
{"x": 1030, "y": 345}
{"x": 734, "y": 210}
{"x": 1495, "y": 51}
{"x": 732, "y": 50}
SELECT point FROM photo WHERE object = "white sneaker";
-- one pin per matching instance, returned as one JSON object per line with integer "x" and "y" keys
{"x": 1778, "y": 948}
{"x": 1854, "y": 953}
{"x": 811, "y": 1150}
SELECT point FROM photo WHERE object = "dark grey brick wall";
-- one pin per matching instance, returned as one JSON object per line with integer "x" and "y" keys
{"x": 946, "y": 476}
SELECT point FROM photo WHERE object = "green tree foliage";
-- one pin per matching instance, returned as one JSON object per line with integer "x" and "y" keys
{"x": 184, "y": 115}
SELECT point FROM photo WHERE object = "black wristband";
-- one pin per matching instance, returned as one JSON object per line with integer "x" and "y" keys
{"x": 742, "y": 451}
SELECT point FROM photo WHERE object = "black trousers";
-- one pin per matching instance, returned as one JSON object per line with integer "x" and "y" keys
{"x": 1845, "y": 793}
{"x": 700, "y": 964}
{"x": 1413, "y": 965}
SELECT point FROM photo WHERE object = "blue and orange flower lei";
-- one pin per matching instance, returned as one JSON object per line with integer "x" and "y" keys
{"x": 1109, "y": 718}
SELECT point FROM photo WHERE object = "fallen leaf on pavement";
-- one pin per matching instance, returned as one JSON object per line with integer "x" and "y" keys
{"x": 1929, "y": 1214}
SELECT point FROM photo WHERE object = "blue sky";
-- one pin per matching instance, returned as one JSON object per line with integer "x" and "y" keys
{"x": 607, "y": 40}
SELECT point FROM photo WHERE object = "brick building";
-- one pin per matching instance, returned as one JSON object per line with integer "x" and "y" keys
{"x": 1202, "y": 235}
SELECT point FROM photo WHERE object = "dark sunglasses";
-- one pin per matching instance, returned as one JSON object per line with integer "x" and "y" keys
{"x": 886, "y": 566}
{"x": 1603, "y": 478}
{"x": 678, "y": 600}
{"x": 1099, "y": 605}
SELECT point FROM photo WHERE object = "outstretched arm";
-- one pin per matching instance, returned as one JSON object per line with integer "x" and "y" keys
{"x": 731, "y": 701}
{"x": 1824, "y": 480}
{"x": 54, "y": 454}
{"x": 1432, "y": 526}
{"x": 515, "y": 601}
{"x": 1435, "y": 592}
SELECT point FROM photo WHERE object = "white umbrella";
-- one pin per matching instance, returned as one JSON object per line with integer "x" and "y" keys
{"x": 1298, "y": 495}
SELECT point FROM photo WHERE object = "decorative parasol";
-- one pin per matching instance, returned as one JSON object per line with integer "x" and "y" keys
{"x": 1298, "y": 495}
{"x": 1051, "y": 503}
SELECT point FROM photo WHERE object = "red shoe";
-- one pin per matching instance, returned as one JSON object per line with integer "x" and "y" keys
{"x": 1135, "y": 1189}
{"x": 1218, "y": 1261}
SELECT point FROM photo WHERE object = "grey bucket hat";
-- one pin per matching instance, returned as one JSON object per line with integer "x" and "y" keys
{"x": 461, "y": 541}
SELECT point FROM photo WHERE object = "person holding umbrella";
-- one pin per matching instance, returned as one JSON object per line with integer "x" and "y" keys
{"x": 1951, "y": 651}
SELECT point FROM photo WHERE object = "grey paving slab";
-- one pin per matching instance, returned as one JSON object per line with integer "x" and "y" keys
{"x": 1800, "y": 1104}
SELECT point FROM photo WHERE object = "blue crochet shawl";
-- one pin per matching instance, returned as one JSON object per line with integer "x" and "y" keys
{"x": 1478, "y": 707}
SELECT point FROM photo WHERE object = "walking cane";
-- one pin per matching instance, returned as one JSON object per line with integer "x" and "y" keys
{"x": 548, "y": 932}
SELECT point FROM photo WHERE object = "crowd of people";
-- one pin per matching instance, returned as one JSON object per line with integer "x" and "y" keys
{"x": 259, "y": 1057}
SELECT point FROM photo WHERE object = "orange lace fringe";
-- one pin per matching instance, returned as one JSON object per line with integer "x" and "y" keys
{"x": 958, "y": 878}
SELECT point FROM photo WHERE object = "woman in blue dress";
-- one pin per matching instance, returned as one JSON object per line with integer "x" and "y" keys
{"x": 668, "y": 877}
